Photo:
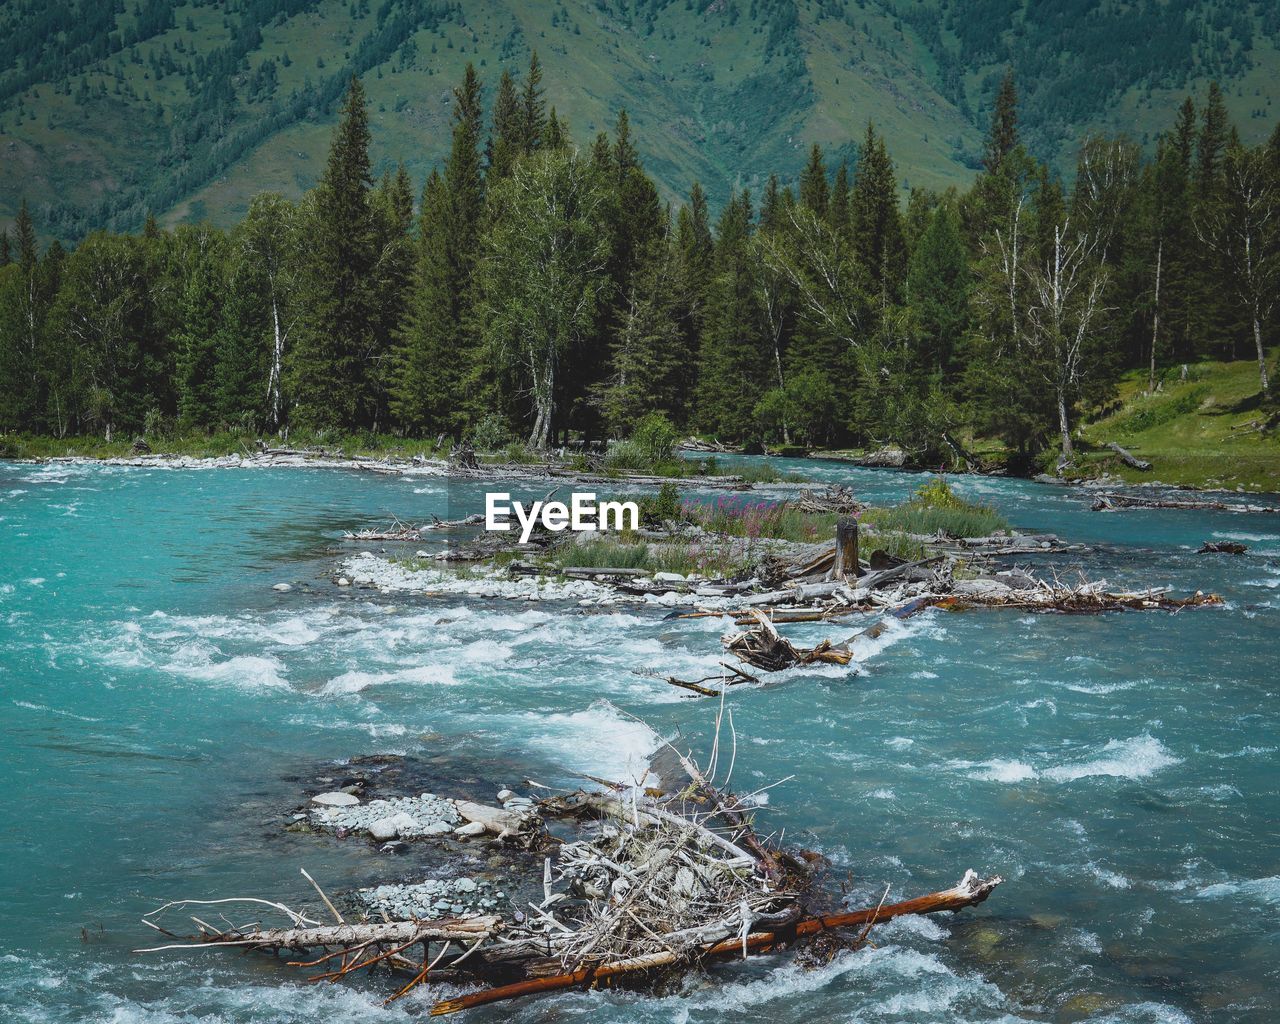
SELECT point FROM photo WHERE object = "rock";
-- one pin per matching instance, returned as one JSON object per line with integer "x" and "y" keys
{"x": 284, "y": 588}
{"x": 437, "y": 828}
{"x": 504, "y": 795}
{"x": 343, "y": 581}
{"x": 472, "y": 828}
{"x": 465, "y": 885}
{"x": 668, "y": 577}
{"x": 389, "y": 828}
{"x": 335, "y": 800}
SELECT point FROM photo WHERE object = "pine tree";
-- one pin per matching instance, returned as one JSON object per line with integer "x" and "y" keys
{"x": 876, "y": 219}
{"x": 506, "y": 139}
{"x": 199, "y": 257}
{"x": 1215, "y": 127}
{"x": 533, "y": 119}
{"x": 840, "y": 210}
{"x": 1003, "y": 136}
{"x": 6, "y": 256}
{"x": 647, "y": 353}
{"x": 814, "y": 191}
{"x": 335, "y": 340}
{"x": 938, "y": 283}
{"x": 733, "y": 368}
{"x": 435, "y": 357}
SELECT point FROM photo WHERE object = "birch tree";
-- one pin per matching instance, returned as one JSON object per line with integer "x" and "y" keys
{"x": 1067, "y": 298}
{"x": 1244, "y": 231}
{"x": 541, "y": 274}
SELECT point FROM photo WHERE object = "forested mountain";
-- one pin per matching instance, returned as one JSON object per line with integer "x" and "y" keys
{"x": 110, "y": 109}
{"x": 540, "y": 290}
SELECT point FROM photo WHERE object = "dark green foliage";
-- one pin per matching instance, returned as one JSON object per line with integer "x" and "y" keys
{"x": 552, "y": 296}
{"x": 336, "y": 342}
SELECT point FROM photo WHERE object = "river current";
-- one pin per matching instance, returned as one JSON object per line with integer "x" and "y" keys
{"x": 160, "y": 703}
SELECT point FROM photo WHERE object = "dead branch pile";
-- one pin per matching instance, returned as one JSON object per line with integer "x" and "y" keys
{"x": 836, "y": 498}
{"x": 659, "y": 880}
{"x": 695, "y": 444}
{"x": 763, "y": 647}
{"x": 401, "y": 531}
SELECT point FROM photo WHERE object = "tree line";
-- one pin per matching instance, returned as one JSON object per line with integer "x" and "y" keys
{"x": 537, "y": 290}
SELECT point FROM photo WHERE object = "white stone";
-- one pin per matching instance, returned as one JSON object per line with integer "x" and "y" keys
{"x": 437, "y": 828}
{"x": 504, "y": 794}
{"x": 343, "y": 581}
{"x": 668, "y": 577}
{"x": 397, "y": 824}
{"x": 335, "y": 800}
{"x": 472, "y": 828}
{"x": 284, "y": 588}
{"x": 464, "y": 885}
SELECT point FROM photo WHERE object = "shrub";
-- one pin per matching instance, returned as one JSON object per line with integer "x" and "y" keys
{"x": 658, "y": 509}
{"x": 491, "y": 434}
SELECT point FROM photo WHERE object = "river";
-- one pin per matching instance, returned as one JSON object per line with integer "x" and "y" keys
{"x": 162, "y": 707}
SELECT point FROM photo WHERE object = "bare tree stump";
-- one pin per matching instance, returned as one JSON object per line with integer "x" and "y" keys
{"x": 846, "y": 560}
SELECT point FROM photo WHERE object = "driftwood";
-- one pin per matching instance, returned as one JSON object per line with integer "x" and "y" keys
{"x": 887, "y": 456}
{"x": 836, "y": 498}
{"x": 845, "y": 562}
{"x": 1087, "y": 598}
{"x": 660, "y": 879}
{"x": 969, "y": 892}
{"x": 1222, "y": 547}
{"x": 694, "y": 444}
{"x": 1128, "y": 458}
{"x": 400, "y": 531}
{"x": 763, "y": 647}
{"x": 1109, "y": 502}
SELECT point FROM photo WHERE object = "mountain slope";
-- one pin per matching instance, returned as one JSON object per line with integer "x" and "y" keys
{"x": 108, "y": 110}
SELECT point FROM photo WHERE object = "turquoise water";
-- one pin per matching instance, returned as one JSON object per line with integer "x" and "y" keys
{"x": 162, "y": 708}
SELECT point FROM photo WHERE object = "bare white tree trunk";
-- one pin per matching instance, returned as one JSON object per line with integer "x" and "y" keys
{"x": 1262, "y": 354}
{"x": 1064, "y": 425}
{"x": 1155, "y": 322}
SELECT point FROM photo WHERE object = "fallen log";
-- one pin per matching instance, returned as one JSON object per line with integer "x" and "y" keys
{"x": 970, "y": 891}
{"x": 886, "y": 457}
{"x": 1128, "y": 458}
{"x": 1109, "y": 502}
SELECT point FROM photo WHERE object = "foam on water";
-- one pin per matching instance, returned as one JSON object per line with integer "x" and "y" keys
{"x": 1265, "y": 890}
{"x": 355, "y": 682}
{"x": 1005, "y": 771}
{"x": 598, "y": 740}
{"x": 1135, "y": 758}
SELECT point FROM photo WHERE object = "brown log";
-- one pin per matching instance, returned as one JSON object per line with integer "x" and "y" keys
{"x": 970, "y": 891}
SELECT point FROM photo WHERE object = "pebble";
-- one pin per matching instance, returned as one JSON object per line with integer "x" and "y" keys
{"x": 335, "y": 800}
{"x": 343, "y": 581}
{"x": 668, "y": 577}
{"x": 413, "y": 816}
{"x": 504, "y": 794}
{"x": 431, "y": 898}
{"x": 284, "y": 588}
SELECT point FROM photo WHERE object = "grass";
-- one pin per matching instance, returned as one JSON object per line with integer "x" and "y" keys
{"x": 935, "y": 508}
{"x": 623, "y": 552}
{"x": 754, "y": 519}
{"x": 199, "y": 445}
{"x": 1195, "y": 432}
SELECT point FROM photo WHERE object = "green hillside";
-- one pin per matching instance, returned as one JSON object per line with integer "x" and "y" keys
{"x": 108, "y": 109}
{"x": 1201, "y": 431}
